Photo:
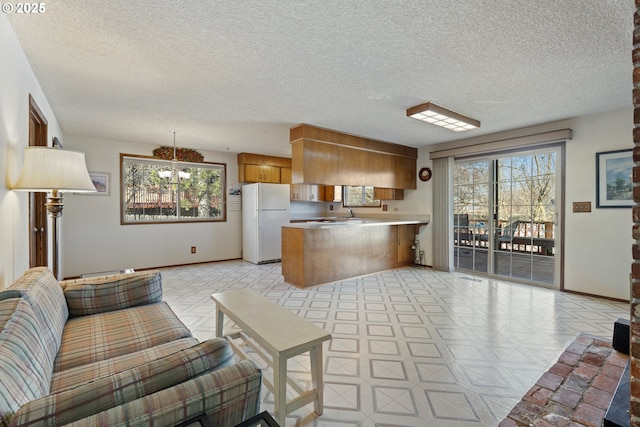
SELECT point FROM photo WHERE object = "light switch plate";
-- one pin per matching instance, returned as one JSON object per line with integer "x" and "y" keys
{"x": 582, "y": 206}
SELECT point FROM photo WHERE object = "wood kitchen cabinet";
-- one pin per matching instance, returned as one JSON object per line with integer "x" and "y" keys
{"x": 259, "y": 173}
{"x": 388, "y": 193}
{"x": 260, "y": 168}
{"x": 307, "y": 192}
{"x": 313, "y": 255}
{"x": 406, "y": 238}
{"x": 332, "y": 193}
{"x": 334, "y": 158}
{"x": 285, "y": 175}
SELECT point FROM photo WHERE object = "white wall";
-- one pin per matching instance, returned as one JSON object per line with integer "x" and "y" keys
{"x": 597, "y": 244}
{"x": 93, "y": 239}
{"x": 17, "y": 81}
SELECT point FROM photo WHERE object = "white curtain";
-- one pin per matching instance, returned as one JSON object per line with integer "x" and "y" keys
{"x": 442, "y": 214}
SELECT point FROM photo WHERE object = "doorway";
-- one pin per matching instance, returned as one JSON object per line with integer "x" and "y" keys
{"x": 507, "y": 216}
{"x": 38, "y": 231}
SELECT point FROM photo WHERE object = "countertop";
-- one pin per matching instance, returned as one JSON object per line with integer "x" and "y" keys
{"x": 332, "y": 222}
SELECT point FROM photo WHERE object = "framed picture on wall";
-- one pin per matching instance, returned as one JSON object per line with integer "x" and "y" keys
{"x": 101, "y": 182}
{"x": 614, "y": 181}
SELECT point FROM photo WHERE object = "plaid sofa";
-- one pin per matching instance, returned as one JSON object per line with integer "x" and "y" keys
{"x": 109, "y": 351}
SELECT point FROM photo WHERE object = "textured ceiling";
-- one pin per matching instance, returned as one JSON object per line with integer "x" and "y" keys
{"x": 237, "y": 74}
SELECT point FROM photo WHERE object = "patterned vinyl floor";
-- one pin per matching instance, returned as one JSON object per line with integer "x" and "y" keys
{"x": 410, "y": 346}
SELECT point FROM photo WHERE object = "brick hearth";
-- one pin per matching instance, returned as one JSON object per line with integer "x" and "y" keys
{"x": 576, "y": 390}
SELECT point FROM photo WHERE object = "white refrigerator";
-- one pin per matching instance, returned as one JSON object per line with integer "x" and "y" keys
{"x": 265, "y": 209}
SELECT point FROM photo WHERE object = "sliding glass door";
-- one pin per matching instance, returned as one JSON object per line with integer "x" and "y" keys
{"x": 506, "y": 216}
{"x": 471, "y": 207}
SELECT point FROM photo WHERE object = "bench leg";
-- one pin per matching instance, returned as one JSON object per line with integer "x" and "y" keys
{"x": 316, "y": 377}
{"x": 219, "y": 322}
{"x": 280, "y": 389}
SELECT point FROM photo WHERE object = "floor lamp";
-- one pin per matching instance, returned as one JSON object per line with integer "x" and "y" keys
{"x": 54, "y": 171}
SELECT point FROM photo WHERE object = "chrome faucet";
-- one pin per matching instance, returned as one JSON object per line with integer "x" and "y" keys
{"x": 351, "y": 215}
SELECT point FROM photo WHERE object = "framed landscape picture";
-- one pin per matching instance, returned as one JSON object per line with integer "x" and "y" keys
{"x": 614, "y": 182}
{"x": 101, "y": 182}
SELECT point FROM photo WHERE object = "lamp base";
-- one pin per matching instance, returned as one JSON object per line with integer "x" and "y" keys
{"x": 54, "y": 207}
{"x": 54, "y": 204}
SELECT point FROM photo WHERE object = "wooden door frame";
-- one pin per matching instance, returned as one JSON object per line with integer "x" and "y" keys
{"x": 38, "y": 221}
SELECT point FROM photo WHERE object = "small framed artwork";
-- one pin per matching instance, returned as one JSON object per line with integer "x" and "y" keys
{"x": 614, "y": 181}
{"x": 101, "y": 182}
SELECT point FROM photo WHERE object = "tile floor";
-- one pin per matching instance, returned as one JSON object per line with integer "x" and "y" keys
{"x": 411, "y": 346}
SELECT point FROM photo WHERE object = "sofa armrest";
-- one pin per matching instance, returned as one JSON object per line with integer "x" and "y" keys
{"x": 126, "y": 386}
{"x": 101, "y": 294}
{"x": 228, "y": 396}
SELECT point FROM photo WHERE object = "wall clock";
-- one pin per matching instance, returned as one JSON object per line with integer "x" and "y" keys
{"x": 425, "y": 174}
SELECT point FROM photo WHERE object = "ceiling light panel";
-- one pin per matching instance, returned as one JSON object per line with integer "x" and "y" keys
{"x": 440, "y": 116}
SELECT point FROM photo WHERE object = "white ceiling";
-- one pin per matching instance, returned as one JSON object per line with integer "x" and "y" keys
{"x": 237, "y": 74}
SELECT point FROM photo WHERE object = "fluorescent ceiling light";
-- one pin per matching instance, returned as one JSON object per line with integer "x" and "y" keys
{"x": 440, "y": 116}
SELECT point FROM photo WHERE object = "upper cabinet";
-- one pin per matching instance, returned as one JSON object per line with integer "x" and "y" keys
{"x": 285, "y": 175}
{"x": 259, "y": 168}
{"x": 333, "y": 193}
{"x": 388, "y": 193}
{"x": 322, "y": 156}
{"x": 307, "y": 192}
{"x": 260, "y": 173}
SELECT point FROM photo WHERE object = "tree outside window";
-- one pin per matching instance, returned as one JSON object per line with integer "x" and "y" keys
{"x": 151, "y": 194}
{"x": 358, "y": 196}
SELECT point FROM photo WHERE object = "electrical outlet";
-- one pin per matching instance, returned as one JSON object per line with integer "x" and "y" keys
{"x": 193, "y": 249}
{"x": 385, "y": 208}
{"x": 582, "y": 206}
{"x": 331, "y": 207}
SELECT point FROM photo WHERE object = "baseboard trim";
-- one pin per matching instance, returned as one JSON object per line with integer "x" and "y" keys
{"x": 170, "y": 266}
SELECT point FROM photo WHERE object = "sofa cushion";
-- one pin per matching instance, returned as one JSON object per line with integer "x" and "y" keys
{"x": 126, "y": 386}
{"x": 228, "y": 396}
{"x": 108, "y": 293}
{"x": 89, "y": 339}
{"x": 82, "y": 374}
{"x": 42, "y": 291}
{"x": 25, "y": 364}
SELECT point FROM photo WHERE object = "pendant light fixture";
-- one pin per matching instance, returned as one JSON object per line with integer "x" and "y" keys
{"x": 173, "y": 174}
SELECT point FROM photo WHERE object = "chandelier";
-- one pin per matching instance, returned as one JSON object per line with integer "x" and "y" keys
{"x": 174, "y": 175}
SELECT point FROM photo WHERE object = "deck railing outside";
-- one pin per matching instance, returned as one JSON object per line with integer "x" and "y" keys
{"x": 520, "y": 236}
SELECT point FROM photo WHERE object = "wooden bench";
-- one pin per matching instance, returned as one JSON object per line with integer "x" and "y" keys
{"x": 282, "y": 334}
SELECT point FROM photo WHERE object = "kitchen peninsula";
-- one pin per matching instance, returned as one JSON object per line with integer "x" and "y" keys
{"x": 332, "y": 249}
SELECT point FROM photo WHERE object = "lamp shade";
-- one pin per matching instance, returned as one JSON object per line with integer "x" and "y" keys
{"x": 47, "y": 169}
